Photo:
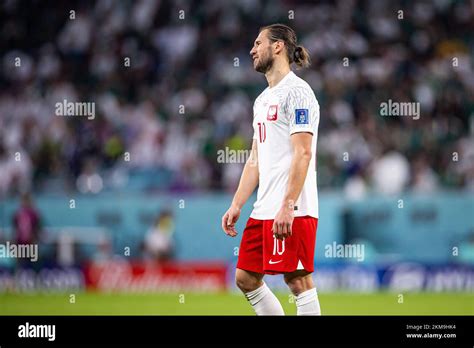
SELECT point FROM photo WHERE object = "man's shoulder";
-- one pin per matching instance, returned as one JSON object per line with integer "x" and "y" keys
{"x": 294, "y": 86}
{"x": 296, "y": 91}
{"x": 298, "y": 83}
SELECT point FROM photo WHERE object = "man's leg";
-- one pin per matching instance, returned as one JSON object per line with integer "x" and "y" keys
{"x": 262, "y": 299}
{"x": 301, "y": 285}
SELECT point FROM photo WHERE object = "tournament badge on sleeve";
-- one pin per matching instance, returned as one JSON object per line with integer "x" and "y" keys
{"x": 272, "y": 114}
{"x": 302, "y": 116}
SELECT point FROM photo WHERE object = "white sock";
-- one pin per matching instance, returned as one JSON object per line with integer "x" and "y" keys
{"x": 307, "y": 303}
{"x": 264, "y": 302}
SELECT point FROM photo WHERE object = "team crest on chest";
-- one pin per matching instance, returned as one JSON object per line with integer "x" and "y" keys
{"x": 272, "y": 113}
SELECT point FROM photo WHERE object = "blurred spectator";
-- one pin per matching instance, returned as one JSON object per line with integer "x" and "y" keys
{"x": 390, "y": 173}
{"x": 15, "y": 171}
{"x": 424, "y": 179}
{"x": 27, "y": 228}
{"x": 26, "y": 222}
{"x": 89, "y": 180}
{"x": 158, "y": 243}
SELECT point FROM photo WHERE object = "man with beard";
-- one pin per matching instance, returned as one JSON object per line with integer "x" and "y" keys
{"x": 280, "y": 235}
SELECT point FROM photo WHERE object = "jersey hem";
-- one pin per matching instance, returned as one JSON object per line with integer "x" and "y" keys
{"x": 272, "y": 217}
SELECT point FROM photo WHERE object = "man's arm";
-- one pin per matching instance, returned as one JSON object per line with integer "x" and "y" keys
{"x": 301, "y": 143}
{"x": 248, "y": 180}
{"x": 248, "y": 183}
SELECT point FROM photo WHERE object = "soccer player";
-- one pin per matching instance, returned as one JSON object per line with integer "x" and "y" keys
{"x": 280, "y": 235}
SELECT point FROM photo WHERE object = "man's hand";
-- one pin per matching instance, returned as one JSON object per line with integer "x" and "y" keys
{"x": 229, "y": 219}
{"x": 283, "y": 221}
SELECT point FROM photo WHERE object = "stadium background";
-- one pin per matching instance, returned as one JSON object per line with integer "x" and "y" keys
{"x": 173, "y": 85}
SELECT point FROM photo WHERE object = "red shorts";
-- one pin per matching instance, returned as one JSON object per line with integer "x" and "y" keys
{"x": 260, "y": 252}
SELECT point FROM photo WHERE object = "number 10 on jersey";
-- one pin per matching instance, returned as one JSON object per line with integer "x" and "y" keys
{"x": 262, "y": 132}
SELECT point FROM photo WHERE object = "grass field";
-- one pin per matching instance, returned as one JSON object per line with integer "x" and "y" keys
{"x": 231, "y": 304}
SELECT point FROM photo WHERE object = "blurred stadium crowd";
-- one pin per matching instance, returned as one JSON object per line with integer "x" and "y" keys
{"x": 173, "y": 83}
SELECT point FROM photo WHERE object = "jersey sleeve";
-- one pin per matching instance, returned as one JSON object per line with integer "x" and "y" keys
{"x": 303, "y": 110}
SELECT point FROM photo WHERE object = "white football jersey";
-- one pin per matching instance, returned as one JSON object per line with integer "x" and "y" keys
{"x": 287, "y": 108}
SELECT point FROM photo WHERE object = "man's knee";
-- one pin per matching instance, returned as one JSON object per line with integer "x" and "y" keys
{"x": 248, "y": 281}
{"x": 299, "y": 281}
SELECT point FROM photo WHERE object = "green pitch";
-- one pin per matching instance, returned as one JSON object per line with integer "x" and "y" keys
{"x": 231, "y": 304}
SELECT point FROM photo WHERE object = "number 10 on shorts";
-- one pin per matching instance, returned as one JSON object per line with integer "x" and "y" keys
{"x": 276, "y": 246}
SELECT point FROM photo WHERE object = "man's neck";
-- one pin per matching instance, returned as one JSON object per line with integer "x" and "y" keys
{"x": 277, "y": 73}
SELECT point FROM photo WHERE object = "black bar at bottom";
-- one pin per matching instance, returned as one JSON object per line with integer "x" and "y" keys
{"x": 172, "y": 330}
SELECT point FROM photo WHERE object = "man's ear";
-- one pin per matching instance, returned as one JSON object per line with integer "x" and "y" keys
{"x": 278, "y": 46}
